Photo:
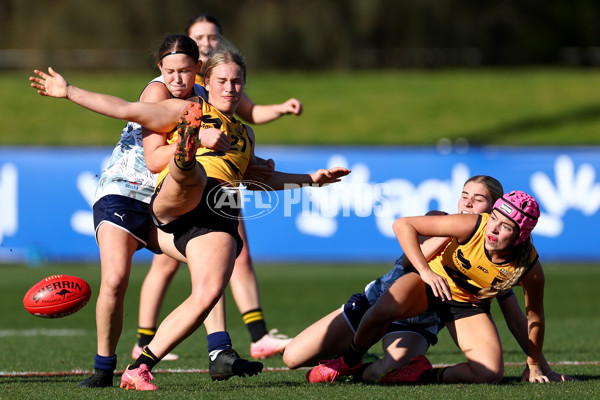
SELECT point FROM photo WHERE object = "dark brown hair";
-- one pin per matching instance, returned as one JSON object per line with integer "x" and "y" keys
{"x": 178, "y": 44}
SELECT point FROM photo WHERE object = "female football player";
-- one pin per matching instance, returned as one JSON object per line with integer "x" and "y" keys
{"x": 206, "y": 30}
{"x": 193, "y": 205}
{"x": 486, "y": 255}
{"x": 123, "y": 224}
{"x": 404, "y": 339}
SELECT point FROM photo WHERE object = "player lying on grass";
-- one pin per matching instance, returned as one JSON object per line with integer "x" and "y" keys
{"x": 189, "y": 201}
{"x": 404, "y": 339}
{"x": 486, "y": 255}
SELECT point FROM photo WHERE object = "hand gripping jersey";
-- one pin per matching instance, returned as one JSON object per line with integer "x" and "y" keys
{"x": 468, "y": 268}
{"x": 227, "y": 166}
{"x": 126, "y": 173}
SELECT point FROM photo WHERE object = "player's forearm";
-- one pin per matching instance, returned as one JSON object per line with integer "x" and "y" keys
{"x": 533, "y": 288}
{"x": 408, "y": 238}
{"x": 515, "y": 320}
{"x": 536, "y": 328}
{"x": 154, "y": 116}
{"x": 104, "y": 104}
{"x": 263, "y": 113}
{"x": 256, "y": 113}
{"x": 160, "y": 158}
{"x": 284, "y": 180}
{"x": 518, "y": 326}
{"x": 157, "y": 152}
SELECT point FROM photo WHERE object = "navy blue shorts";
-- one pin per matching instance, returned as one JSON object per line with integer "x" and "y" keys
{"x": 210, "y": 215}
{"x": 126, "y": 213}
{"x": 356, "y": 307}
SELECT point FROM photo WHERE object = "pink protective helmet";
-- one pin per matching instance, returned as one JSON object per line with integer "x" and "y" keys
{"x": 522, "y": 209}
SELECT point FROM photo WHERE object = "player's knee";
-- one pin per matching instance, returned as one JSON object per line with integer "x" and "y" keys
{"x": 288, "y": 359}
{"x": 205, "y": 298}
{"x": 114, "y": 284}
{"x": 290, "y": 356}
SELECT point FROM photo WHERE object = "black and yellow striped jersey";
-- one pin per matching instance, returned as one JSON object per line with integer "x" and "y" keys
{"x": 228, "y": 166}
{"x": 468, "y": 268}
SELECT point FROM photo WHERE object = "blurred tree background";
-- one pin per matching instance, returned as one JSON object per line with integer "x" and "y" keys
{"x": 308, "y": 34}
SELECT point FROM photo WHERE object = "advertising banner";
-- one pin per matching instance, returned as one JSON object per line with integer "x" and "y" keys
{"x": 46, "y": 200}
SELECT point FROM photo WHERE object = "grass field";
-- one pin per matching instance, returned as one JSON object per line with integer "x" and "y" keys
{"x": 47, "y": 358}
{"x": 512, "y": 106}
{"x": 31, "y": 347}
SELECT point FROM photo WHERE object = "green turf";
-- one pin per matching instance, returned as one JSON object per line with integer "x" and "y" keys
{"x": 511, "y": 106}
{"x": 572, "y": 326}
{"x": 517, "y": 107}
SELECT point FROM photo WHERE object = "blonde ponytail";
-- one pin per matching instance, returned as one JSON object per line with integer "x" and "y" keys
{"x": 524, "y": 250}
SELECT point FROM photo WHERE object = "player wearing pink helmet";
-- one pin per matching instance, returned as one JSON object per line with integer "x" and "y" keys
{"x": 522, "y": 209}
{"x": 485, "y": 254}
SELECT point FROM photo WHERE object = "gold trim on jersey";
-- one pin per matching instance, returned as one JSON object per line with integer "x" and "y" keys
{"x": 228, "y": 166}
{"x": 468, "y": 268}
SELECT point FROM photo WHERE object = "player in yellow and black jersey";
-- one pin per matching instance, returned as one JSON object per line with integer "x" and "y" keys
{"x": 187, "y": 205}
{"x": 224, "y": 166}
{"x": 468, "y": 269}
{"x": 406, "y": 339}
{"x": 206, "y": 30}
{"x": 487, "y": 254}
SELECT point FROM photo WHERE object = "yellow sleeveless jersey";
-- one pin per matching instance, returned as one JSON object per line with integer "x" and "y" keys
{"x": 199, "y": 80}
{"x": 467, "y": 267}
{"x": 227, "y": 166}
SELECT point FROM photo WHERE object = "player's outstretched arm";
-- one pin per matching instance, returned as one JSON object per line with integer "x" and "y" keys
{"x": 52, "y": 84}
{"x": 261, "y": 171}
{"x": 324, "y": 177}
{"x": 159, "y": 117}
{"x": 283, "y": 180}
{"x": 263, "y": 113}
{"x": 279, "y": 180}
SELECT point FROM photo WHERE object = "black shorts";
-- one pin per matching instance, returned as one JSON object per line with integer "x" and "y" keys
{"x": 452, "y": 310}
{"x": 212, "y": 214}
{"x": 358, "y": 304}
{"x": 126, "y": 213}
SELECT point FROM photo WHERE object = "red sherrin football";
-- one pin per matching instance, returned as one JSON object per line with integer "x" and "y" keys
{"x": 57, "y": 296}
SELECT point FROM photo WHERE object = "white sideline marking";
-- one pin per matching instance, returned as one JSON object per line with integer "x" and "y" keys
{"x": 518, "y": 364}
{"x": 42, "y": 332}
{"x": 14, "y": 374}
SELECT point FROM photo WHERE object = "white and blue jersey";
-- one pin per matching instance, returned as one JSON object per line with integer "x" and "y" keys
{"x": 374, "y": 289}
{"x": 126, "y": 173}
{"x": 126, "y": 185}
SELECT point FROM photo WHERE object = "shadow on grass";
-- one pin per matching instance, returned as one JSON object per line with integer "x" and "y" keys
{"x": 513, "y": 380}
{"x": 507, "y": 380}
{"x": 257, "y": 384}
{"x": 520, "y": 127}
